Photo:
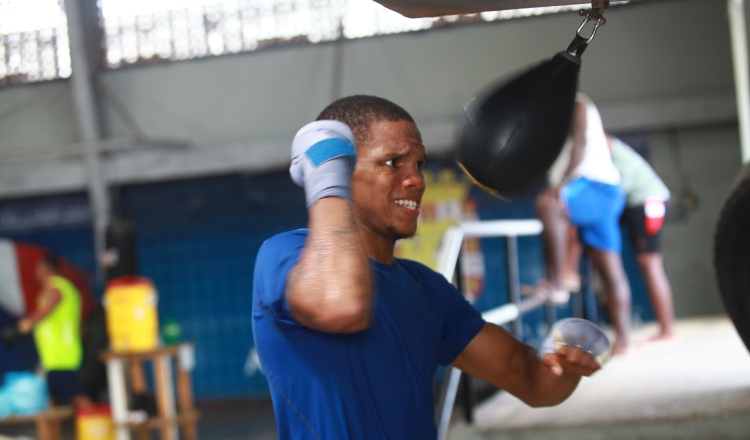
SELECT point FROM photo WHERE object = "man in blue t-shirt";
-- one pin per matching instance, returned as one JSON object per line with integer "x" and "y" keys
{"x": 348, "y": 336}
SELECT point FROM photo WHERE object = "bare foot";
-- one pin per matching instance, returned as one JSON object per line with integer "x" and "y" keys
{"x": 544, "y": 290}
{"x": 622, "y": 350}
{"x": 665, "y": 337}
{"x": 662, "y": 339}
{"x": 572, "y": 282}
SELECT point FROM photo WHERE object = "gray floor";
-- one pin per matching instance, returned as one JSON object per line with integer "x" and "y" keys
{"x": 698, "y": 388}
{"x": 238, "y": 420}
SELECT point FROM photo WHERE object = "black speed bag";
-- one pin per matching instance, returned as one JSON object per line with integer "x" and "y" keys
{"x": 510, "y": 136}
{"x": 732, "y": 254}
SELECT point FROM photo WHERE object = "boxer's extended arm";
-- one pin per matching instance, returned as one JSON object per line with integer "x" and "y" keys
{"x": 330, "y": 287}
{"x": 498, "y": 358}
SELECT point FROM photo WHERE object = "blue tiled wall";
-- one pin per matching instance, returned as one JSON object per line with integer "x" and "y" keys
{"x": 197, "y": 241}
{"x": 61, "y": 223}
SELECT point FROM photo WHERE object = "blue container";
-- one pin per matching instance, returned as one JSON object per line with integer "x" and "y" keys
{"x": 27, "y": 391}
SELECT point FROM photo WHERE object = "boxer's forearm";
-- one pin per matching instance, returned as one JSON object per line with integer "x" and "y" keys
{"x": 330, "y": 288}
{"x": 535, "y": 383}
{"x": 496, "y": 357}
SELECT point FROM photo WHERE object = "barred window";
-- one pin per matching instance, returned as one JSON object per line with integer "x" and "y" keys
{"x": 34, "y": 33}
{"x": 33, "y": 41}
{"x": 141, "y": 31}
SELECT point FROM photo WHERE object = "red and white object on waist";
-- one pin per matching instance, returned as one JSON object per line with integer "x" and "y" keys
{"x": 655, "y": 211}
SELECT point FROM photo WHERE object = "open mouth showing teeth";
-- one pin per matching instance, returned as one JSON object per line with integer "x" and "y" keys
{"x": 411, "y": 204}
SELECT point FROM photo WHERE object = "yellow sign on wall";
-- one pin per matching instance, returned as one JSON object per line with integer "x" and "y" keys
{"x": 446, "y": 202}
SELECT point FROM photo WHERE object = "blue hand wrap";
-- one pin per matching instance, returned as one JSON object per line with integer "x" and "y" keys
{"x": 328, "y": 149}
{"x": 323, "y": 157}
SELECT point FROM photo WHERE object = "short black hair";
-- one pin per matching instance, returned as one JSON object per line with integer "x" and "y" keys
{"x": 52, "y": 261}
{"x": 359, "y": 112}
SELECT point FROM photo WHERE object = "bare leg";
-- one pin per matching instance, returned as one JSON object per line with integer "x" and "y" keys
{"x": 552, "y": 213}
{"x": 659, "y": 290}
{"x": 617, "y": 288}
{"x": 81, "y": 401}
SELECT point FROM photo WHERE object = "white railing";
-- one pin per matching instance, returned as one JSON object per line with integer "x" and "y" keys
{"x": 505, "y": 314}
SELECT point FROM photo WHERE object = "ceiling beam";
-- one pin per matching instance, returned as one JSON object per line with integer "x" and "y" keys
{"x": 433, "y": 8}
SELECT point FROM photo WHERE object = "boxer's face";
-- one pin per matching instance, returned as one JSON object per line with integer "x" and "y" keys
{"x": 387, "y": 182}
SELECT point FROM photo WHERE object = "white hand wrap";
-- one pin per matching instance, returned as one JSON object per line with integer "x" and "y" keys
{"x": 576, "y": 332}
{"x": 323, "y": 157}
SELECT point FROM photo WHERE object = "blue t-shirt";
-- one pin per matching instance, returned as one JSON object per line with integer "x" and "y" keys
{"x": 375, "y": 384}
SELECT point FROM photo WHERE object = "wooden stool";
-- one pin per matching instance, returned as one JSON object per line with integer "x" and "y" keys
{"x": 168, "y": 418}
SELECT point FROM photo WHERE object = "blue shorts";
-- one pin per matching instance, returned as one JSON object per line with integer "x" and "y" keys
{"x": 64, "y": 385}
{"x": 595, "y": 208}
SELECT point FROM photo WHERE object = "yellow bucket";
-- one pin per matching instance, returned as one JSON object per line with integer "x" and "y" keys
{"x": 132, "y": 323}
{"x": 94, "y": 423}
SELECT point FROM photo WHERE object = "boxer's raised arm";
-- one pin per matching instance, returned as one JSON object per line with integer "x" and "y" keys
{"x": 330, "y": 288}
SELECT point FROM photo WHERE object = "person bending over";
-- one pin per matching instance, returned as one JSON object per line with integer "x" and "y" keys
{"x": 350, "y": 337}
{"x": 643, "y": 217}
{"x": 585, "y": 192}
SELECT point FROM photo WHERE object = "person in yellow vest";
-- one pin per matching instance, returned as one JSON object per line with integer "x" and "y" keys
{"x": 57, "y": 332}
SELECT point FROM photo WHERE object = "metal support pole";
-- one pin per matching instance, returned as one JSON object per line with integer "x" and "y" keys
{"x": 577, "y": 303}
{"x": 450, "y": 399}
{"x": 738, "y": 34}
{"x": 587, "y": 291}
{"x": 550, "y": 314}
{"x": 470, "y": 398}
{"x": 514, "y": 282}
{"x": 338, "y": 65}
{"x": 88, "y": 123}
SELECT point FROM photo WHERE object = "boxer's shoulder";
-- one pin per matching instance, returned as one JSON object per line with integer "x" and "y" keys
{"x": 283, "y": 243}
